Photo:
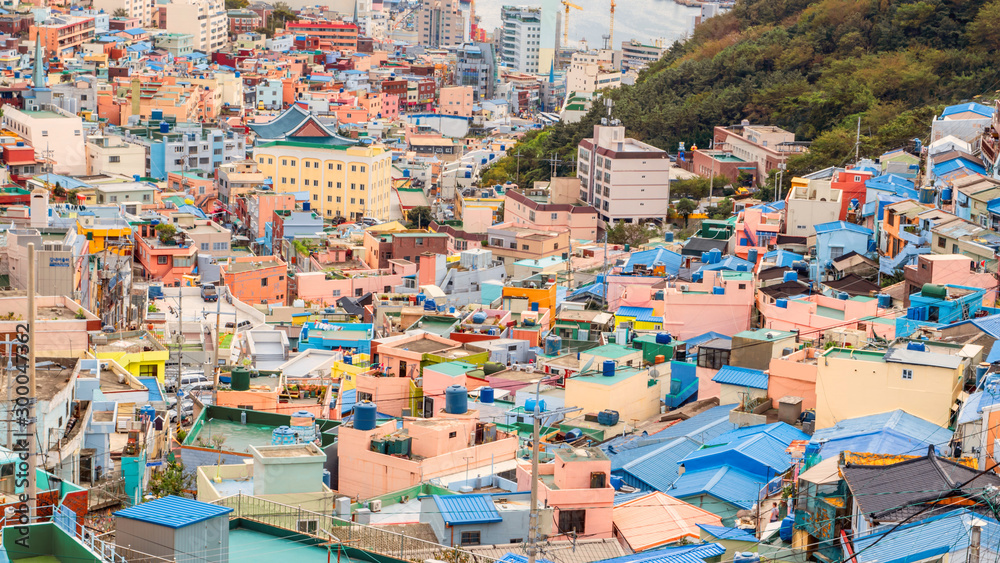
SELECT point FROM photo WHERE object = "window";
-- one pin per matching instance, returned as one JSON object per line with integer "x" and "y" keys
{"x": 161, "y": 260}
{"x": 204, "y": 246}
{"x": 329, "y": 198}
{"x": 147, "y": 370}
{"x": 470, "y": 538}
{"x": 114, "y": 159}
{"x": 315, "y": 197}
{"x": 712, "y": 357}
{"x": 554, "y": 216}
{"x": 263, "y": 282}
{"x": 452, "y": 434}
{"x": 572, "y": 521}
{"x": 908, "y": 374}
{"x": 941, "y": 242}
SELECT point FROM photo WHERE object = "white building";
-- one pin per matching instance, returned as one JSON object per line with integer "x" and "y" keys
{"x": 142, "y": 9}
{"x": 624, "y": 179}
{"x": 521, "y": 41}
{"x": 212, "y": 28}
{"x": 56, "y": 135}
{"x": 592, "y": 71}
{"x": 112, "y": 155}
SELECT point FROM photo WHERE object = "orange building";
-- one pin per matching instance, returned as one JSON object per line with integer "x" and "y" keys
{"x": 256, "y": 279}
{"x": 61, "y": 35}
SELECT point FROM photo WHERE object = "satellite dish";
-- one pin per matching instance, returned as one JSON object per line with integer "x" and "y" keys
{"x": 587, "y": 365}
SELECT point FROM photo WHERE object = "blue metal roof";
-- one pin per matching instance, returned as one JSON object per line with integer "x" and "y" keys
{"x": 467, "y": 509}
{"x": 731, "y": 263}
{"x": 834, "y": 226}
{"x": 725, "y": 483}
{"x": 684, "y": 554}
{"x": 956, "y": 164}
{"x": 779, "y": 430}
{"x": 173, "y": 512}
{"x": 994, "y": 355}
{"x": 743, "y": 377}
{"x": 932, "y": 537}
{"x": 761, "y": 455}
{"x": 973, "y": 107}
{"x": 659, "y": 469}
{"x": 893, "y": 432}
{"x": 515, "y": 558}
{"x": 655, "y": 257}
{"x": 642, "y": 314}
{"x": 724, "y": 533}
{"x": 702, "y": 338}
{"x": 990, "y": 325}
{"x": 782, "y": 258}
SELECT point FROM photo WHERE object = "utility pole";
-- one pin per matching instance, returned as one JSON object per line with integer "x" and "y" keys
{"x": 974, "y": 540}
{"x": 781, "y": 176}
{"x": 857, "y": 142}
{"x": 215, "y": 348}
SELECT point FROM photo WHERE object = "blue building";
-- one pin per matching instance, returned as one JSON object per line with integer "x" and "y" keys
{"x": 937, "y": 305}
{"x": 838, "y": 238}
{"x": 350, "y": 337}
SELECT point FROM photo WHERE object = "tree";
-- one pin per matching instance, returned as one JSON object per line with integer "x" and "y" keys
{"x": 721, "y": 211}
{"x": 685, "y": 208}
{"x": 171, "y": 481}
{"x": 166, "y": 232}
{"x": 632, "y": 234}
{"x": 120, "y": 13}
{"x": 420, "y": 218}
{"x": 236, "y": 4}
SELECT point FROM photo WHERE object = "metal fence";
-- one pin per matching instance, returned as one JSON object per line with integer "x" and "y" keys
{"x": 350, "y": 534}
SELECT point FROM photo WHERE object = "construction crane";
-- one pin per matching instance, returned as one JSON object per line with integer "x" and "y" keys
{"x": 568, "y": 5}
{"x": 611, "y": 30}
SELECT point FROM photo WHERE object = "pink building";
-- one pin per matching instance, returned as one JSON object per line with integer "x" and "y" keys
{"x": 166, "y": 262}
{"x": 756, "y": 229}
{"x": 580, "y": 220}
{"x": 316, "y": 287}
{"x": 456, "y": 100}
{"x": 945, "y": 269}
{"x": 721, "y": 302}
{"x": 440, "y": 446}
{"x": 794, "y": 375}
{"x": 815, "y": 314}
{"x": 401, "y": 361}
{"x": 576, "y": 485}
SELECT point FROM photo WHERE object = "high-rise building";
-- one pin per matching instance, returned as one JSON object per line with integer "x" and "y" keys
{"x": 212, "y": 30}
{"x": 521, "y": 41}
{"x": 144, "y": 10}
{"x": 476, "y": 67}
{"x": 441, "y": 23}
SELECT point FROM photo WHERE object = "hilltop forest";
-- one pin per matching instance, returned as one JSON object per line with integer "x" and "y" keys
{"x": 812, "y": 67}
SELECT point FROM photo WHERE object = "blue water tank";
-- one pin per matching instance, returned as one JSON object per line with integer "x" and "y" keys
{"x": 981, "y": 370}
{"x": 164, "y": 127}
{"x": 663, "y": 338}
{"x": 553, "y": 345}
{"x": 364, "y": 416}
{"x": 420, "y": 298}
{"x": 855, "y": 201}
{"x": 607, "y": 417}
{"x": 715, "y": 255}
{"x": 349, "y": 360}
{"x": 486, "y": 395}
{"x": 718, "y": 290}
{"x": 697, "y": 277}
{"x": 608, "y": 368}
{"x": 149, "y": 411}
{"x": 781, "y": 303}
{"x": 326, "y": 478}
{"x": 479, "y": 317}
{"x": 752, "y": 256}
{"x": 451, "y": 310}
{"x": 157, "y": 114}
{"x": 529, "y": 405}
{"x": 282, "y": 435}
{"x": 916, "y": 346}
{"x": 787, "y": 526}
{"x": 843, "y": 296}
{"x": 746, "y": 557}
{"x": 800, "y": 265}
{"x": 534, "y": 306}
{"x": 884, "y": 301}
{"x": 430, "y": 305}
{"x": 573, "y": 435}
{"x": 456, "y": 400}
{"x": 668, "y": 237}
{"x": 812, "y": 448}
{"x": 946, "y": 194}
{"x": 790, "y": 276}
{"x": 705, "y": 259}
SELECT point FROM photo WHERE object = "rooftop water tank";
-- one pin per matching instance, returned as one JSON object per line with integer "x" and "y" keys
{"x": 916, "y": 346}
{"x": 663, "y": 338}
{"x": 364, "y": 416}
{"x": 456, "y": 400}
{"x": 752, "y": 256}
{"x": 486, "y": 395}
{"x": 479, "y": 317}
{"x": 164, "y": 127}
{"x": 934, "y": 290}
{"x": 282, "y": 435}
{"x": 790, "y": 276}
{"x": 884, "y": 301}
{"x": 553, "y": 345}
{"x": 781, "y": 303}
{"x": 430, "y": 305}
{"x": 529, "y": 405}
{"x": 240, "y": 380}
{"x": 608, "y": 368}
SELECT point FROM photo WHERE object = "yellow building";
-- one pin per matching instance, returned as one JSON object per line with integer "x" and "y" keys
{"x": 922, "y": 378}
{"x": 345, "y": 181}
{"x": 139, "y": 352}
{"x": 100, "y": 233}
{"x": 628, "y": 391}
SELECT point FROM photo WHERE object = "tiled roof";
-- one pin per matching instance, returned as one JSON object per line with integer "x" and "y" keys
{"x": 743, "y": 377}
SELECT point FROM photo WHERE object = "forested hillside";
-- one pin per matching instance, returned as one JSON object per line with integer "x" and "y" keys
{"x": 812, "y": 67}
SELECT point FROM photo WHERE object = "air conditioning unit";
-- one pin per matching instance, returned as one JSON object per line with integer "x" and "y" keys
{"x": 375, "y": 506}
{"x": 684, "y": 287}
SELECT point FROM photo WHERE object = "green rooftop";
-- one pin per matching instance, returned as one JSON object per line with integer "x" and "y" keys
{"x": 848, "y": 353}
{"x": 611, "y": 351}
{"x": 621, "y": 374}
{"x": 452, "y": 369}
{"x": 830, "y": 313}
